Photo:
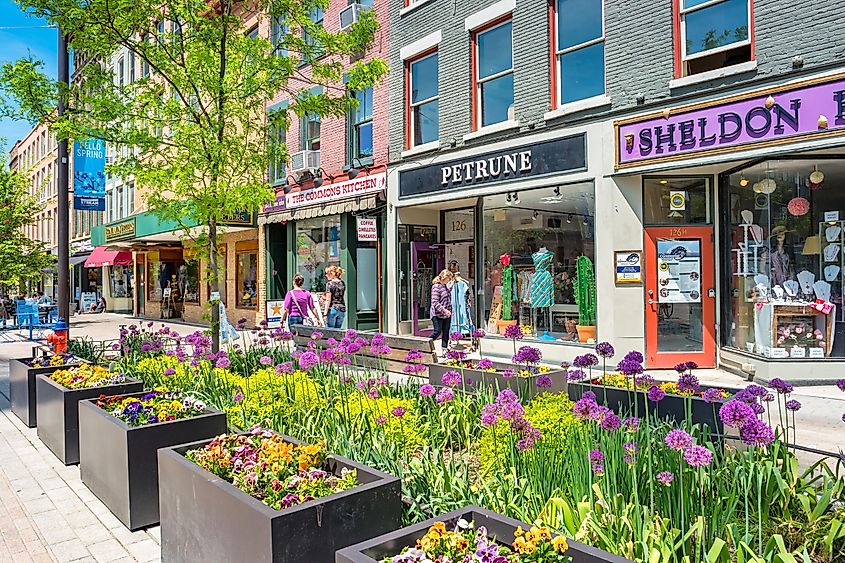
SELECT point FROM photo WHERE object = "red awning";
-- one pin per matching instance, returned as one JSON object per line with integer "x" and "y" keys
{"x": 101, "y": 256}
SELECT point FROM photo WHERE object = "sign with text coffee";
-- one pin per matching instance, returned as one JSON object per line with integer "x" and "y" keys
{"x": 808, "y": 110}
{"x": 568, "y": 154}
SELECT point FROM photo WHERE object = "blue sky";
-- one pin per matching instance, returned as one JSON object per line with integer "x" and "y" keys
{"x": 17, "y": 43}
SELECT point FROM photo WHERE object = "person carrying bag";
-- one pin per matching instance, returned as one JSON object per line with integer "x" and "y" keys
{"x": 298, "y": 304}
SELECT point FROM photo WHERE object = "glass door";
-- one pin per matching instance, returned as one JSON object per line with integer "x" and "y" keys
{"x": 680, "y": 296}
{"x": 426, "y": 264}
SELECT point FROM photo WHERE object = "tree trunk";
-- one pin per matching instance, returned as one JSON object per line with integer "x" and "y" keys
{"x": 214, "y": 271}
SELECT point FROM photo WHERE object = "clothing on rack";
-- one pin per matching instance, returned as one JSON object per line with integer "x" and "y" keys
{"x": 461, "y": 308}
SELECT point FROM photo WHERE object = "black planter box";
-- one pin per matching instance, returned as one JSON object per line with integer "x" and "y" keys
{"x": 672, "y": 407}
{"x": 498, "y": 526}
{"x": 22, "y": 388}
{"x": 58, "y": 413}
{"x": 118, "y": 462}
{"x": 478, "y": 379}
{"x": 206, "y": 518}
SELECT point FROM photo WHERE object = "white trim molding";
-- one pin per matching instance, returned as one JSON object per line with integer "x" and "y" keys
{"x": 419, "y": 149}
{"x": 578, "y": 105}
{"x": 713, "y": 74}
{"x": 489, "y": 14}
{"x": 420, "y": 45}
{"x": 492, "y": 129}
{"x": 413, "y": 6}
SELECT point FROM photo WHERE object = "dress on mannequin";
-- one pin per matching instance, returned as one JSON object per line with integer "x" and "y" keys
{"x": 542, "y": 286}
{"x": 461, "y": 318}
{"x": 781, "y": 263}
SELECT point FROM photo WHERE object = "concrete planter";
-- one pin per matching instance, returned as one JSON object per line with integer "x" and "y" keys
{"x": 498, "y": 526}
{"x": 58, "y": 413}
{"x": 633, "y": 403}
{"x": 206, "y": 518}
{"x": 22, "y": 388}
{"x": 119, "y": 463}
{"x": 477, "y": 379}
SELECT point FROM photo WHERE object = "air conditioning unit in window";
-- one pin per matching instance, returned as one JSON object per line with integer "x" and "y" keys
{"x": 304, "y": 161}
{"x": 350, "y": 15}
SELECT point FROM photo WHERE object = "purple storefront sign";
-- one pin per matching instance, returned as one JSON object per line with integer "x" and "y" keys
{"x": 766, "y": 117}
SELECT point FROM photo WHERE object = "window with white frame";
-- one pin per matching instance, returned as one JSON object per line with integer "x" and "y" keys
{"x": 579, "y": 45}
{"x": 277, "y": 35}
{"x": 120, "y": 71}
{"x": 120, "y": 203}
{"x": 424, "y": 114}
{"x": 313, "y": 48}
{"x": 310, "y": 132}
{"x": 494, "y": 74}
{"x": 130, "y": 197}
{"x": 278, "y": 167}
{"x": 131, "y": 66}
{"x": 361, "y": 126}
{"x": 714, "y": 34}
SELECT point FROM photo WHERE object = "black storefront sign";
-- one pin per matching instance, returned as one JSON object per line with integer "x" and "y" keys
{"x": 568, "y": 154}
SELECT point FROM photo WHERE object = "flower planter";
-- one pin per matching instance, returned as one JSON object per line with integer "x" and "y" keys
{"x": 498, "y": 526}
{"x": 480, "y": 379}
{"x": 206, "y": 518}
{"x": 58, "y": 413}
{"x": 22, "y": 388}
{"x": 119, "y": 463}
{"x": 633, "y": 403}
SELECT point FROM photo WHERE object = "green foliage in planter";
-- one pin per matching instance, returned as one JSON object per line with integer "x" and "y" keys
{"x": 379, "y": 415}
{"x": 585, "y": 291}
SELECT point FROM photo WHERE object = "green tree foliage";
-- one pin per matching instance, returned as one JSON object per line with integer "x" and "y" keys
{"x": 192, "y": 127}
{"x": 21, "y": 258}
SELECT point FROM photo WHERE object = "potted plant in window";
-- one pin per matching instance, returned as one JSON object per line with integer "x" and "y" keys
{"x": 506, "y": 318}
{"x": 585, "y": 297}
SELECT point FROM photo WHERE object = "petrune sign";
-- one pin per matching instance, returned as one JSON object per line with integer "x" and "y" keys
{"x": 810, "y": 109}
{"x": 514, "y": 163}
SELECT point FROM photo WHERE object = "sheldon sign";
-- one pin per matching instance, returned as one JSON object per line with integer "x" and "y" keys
{"x": 766, "y": 117}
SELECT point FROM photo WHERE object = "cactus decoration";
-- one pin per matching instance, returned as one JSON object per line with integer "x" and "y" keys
{"x": 585, "y": 291}
{"x": 507, "y": 292}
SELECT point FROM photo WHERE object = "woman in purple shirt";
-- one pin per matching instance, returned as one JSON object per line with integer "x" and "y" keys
{"x": 441, "y": 307}
{"x": 298, "y": 304}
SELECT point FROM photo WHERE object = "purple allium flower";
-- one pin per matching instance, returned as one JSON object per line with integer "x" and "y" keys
{"x": 631, "y": 447}
{"x": 456, "y": 336}
{"x": 645, "y": 381}
{"x": 692, "y": 365}
{"x": 512, "y": 411}
{"x": 688, "y": 383}
{"x": 585, "y": 361}
{"x": 841, "y": 384}
{"x": 239, "y": 395}
{"x": 544, "y": 381}
{"x": 634, "y": 356}
{"x": 456, "y": 355}
{"x": 508, "y": 373}
{"x": 222, "y": 363}
{"x": 527, "y": 355}
{"x": 170, "y": 371}
{"x": 756, "y": 390}
{"x": 451, "y": 379}
{"x": 589, "y": 395}
{"x": 712, "y": 395}
{"x": 598, "y": 469}
{"x": 755, "y": 432}
{"x": 736, "y": 413}
{"x": 478, "y": 333}
{"x": 631, "y": 424}
{"x": 489, "y": 419}
{"x": 284, "y": 367}
{"x": 308, "y": 360}
{"x": 656, "y": 394}
{"x": 681, "y": 368}
{"x": 576, "y": 375}
{"x": 427, "y": 390}
{"x": 381, "y": 420}
{"x": 665, "y": 477}
{"x": 611, "y": 422}
{"x": 843, "y": 417}
{"x": 596, "y": 456}
{"x": 506, "y": 396}
{"x": 605, "y": 350}
{"x": 678, "y": 440}
{"x": 373, "y": 393}
{"x": 485, "y": 363}
{"x": 757, "y": 408}
{"x": 316, "y": 335}
{"x": 793, "y": 405}
{"x": 514, "y": 332}
{"x": 629, "y": 367}
{"x": 413, "y": 355}
{"x": 698, "y": 456}
{"x": 583, "y": 409}
{"x": 265, "y": 360}
{"x": 445, "y": 395}
{"x": 781, "y": 386}
{"x": 398, "y": 411}
{"x": 768, "y": 398}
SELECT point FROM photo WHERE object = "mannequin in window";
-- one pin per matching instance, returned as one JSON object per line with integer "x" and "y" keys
{"x": 542, "y": 288}
{"x": 782, "y": 268}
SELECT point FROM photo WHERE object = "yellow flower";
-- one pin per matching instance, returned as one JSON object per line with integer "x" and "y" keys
{"x": 560, "y": 545}
{"x": 544, "y": 369}
{"x": 518, "y": 533}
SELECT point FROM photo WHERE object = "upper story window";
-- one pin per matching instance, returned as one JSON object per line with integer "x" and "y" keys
{"x": 714, "y": 34}
{"x": 310, "y": 132}
{"x": 145, "y": 66}
{"x": 253, "y": 32}
{"x": 494, "y": 75}
{"x": 579, "y": 49}
{"x": 278, "y": 167}
{"x": 131, "y": 66}
{"x": 120, "y": 71}
{"x": 361, "y": 126}
{"x": 424, "y": 102}
{"x": 277, "y": 35}
{"x": 313, "y": 47}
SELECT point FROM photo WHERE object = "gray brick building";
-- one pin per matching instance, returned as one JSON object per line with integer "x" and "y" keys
{"x": 688, "y": 149}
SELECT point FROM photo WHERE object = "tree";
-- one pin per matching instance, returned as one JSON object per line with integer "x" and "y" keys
{"x": 193, "y": 126}
{"x": 22, "y": 259}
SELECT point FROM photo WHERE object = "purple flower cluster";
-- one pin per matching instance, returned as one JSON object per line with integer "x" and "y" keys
{"x": 678, "y": 440}
{"x": 576, "y": 375}
{"x": 456, "y": 336}
{"x": 629, "y": 367}
{"x": 451, "y": 379}
{"x": 781, "y": 386}
{"x": 585, "y": 361}
{"x": 544, "y": 381}
{"x": 508, "y": 408}
{"x": 427, "y": 390}
{"x": 665, "y": 477}
{"x": 478, "y": 333}
{"x": 514, "y": 332}
{"x": 688, "y": 383}
{"x": 712, "y": 395}
{"x": 605, "y": 350}
{"x": 596, "y": 458}
{"x": 527, "y": 355}
{"x": 308, "y": 360}
{"x": 841, "y": 384}
{"x": 736, "y": 413}
{"x": 656, "y": 394}
{"x": 485, "y": 363}
{"x": 698, "y": 456}
{"x": 755, "y": 432}
{"x": 444, "y": 395}
{"x": 631, "y": 424}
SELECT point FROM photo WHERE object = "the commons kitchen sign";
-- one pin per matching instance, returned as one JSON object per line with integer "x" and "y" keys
{"x": 120, "y": 230}
{"x": 517, "y": 163}
{"x": 811, "y": 109}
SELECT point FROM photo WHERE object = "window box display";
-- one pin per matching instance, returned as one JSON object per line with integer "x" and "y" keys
{"x": 22, "y": 374}
{"x": 205, "y": 517}
{"x": 118, "y": 442}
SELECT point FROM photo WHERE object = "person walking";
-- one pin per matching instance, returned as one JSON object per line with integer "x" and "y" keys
{"x": 298, "y": 304}
{"x": 441, "y": 307}
{"x": 335, "y": 297}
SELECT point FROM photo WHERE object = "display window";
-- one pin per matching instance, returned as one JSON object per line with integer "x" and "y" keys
{"x": 120, "y": 278}
{"x": 538, "y": 251}
{"x": 189, "y": 278}
{"x": 247, "y": 274}
{"x": 784, "y": 243}
{"x": 317, "y": 247}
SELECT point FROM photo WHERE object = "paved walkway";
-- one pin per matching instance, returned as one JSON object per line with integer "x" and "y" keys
{"x": 48, "y": 515}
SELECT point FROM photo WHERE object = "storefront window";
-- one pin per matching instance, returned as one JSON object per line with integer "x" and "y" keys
{"x": 785, "y": 247}
{"x": 317, "y": 247}
{"x": 543, "y": 232}
{"x": 189, "y": 277}
{"x": 410, "y": 294}
{"x": 121, "y": 281}
{"x": 676, "y": 201}
{"x": 247, "y": 279}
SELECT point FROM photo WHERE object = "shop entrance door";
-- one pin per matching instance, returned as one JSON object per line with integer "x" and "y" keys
{"x": 680, "y": 299}
{"x": 427, "y": 260}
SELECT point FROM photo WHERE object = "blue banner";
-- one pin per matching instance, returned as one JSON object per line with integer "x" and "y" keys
{"x": 89, "y": 179}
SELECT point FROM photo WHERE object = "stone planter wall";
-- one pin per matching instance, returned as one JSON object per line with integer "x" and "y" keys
{"x": 502, "y": 527}
{"x": 478, "y": 379}
{"x": 205, "y": 518}
{"x": 119, "y": 463}
{"x": 58, "y": 413}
